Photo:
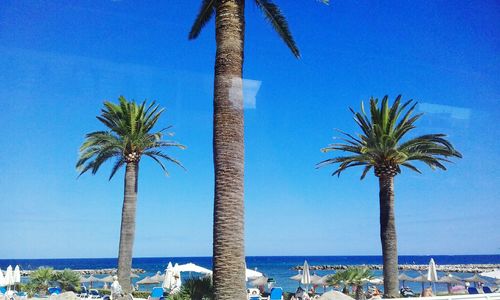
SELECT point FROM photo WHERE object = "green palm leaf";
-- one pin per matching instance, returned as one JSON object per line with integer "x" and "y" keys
{"x": 273, "y": 14}
{"x": 380, "y": 144}
{"x": 206, "y": 12}
{"x": 128, "y": 137}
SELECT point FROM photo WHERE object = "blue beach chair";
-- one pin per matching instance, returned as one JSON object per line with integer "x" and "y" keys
{"x": 487, "y": 290}
{"x": 276, "y": 294}
{"x": 54, "y": 290}
{"x": 3, "y": 290}
{"x": 472, "y": 290}
{"x": 156, "y": 294}
{"x": 22, "y": 295}
{"x": 94, "y": 294}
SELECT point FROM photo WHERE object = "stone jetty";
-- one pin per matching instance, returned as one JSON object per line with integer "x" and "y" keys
{"x": 87, "y": 272}
{"x": 461, "y": 268}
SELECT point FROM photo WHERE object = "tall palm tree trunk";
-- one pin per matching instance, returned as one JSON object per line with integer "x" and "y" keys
{"x": 388, "y": 236}
{"x": 127, "y": 231}
{"x": 228, "y": 239}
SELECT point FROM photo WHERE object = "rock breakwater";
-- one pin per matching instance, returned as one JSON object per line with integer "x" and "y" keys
{"x": 459, "y": 268}
{"x": 86, "y": 272}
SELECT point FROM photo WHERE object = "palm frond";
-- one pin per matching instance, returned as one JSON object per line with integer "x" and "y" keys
{"x": 164, "y": 156}
{"x": 381, "y": 142}
{"x": 206, "y": 12}
{"x": 130, "y": 125}
{"x": 273, "y": 14}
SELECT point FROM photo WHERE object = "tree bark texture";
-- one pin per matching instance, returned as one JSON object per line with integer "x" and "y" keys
{"x": 228, "y": 146}
{"x": 127, "y": 231}
{"x": 388, "y": 237}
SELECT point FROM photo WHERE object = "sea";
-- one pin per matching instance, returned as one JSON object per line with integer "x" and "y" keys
{"x": 280, "y": 268}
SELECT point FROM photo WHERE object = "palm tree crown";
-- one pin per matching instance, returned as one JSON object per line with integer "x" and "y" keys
{"x": 271, "y": 12}
{"x": 380, "y": 146}
{"x": 129, "y": 137}
{"x": 350, "y": 276}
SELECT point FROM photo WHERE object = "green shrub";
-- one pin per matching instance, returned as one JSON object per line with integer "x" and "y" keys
{"x": 67, "y": 279}
{"x": 104, "y": 292}
{"x": 140, "y": 294}
{"x": 196, "y": 289}
{"x": 40, "y": 280}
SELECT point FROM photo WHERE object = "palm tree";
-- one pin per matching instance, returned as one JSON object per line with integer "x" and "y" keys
{"x": 129, "y": 137}
{"x": 352, "y": 276}
{"x": 228, "y": 145}
{"x": 380, "y": 146}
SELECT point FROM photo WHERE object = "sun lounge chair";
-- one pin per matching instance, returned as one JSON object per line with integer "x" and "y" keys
{"x": 21, "y": 295}
{"x": 54, "y": 290}
{"x": 83, "y": 292}
{"x": 472, "y": 290}
{"x": 156, "y": 294}
{"x": 3, "y": 290}
{"x": 487, "y": 290}
{"x": 276, "y": 294}
{"x": 94, "y": 294}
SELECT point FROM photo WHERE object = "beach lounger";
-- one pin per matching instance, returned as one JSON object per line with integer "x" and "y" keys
{"x": 22, "y": 295}
{"x": 94, "y": 294}
{"x": 83, "y": 292}
{"x": 472, "y": 291}
{"x": 54, "y": 290}
{"x": 276, "y": 294}
{"x": 156, "y": 294}
{"x": 487, "y": 290}
{"x": 3, "y": 290}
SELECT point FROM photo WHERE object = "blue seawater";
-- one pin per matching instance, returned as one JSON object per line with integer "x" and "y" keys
{"x": 277, "y": 267}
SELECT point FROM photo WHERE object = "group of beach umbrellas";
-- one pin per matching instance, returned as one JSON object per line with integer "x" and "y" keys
{"x": 11, "y": 277}
{"x": 106, "y": 280}
{"x": 171, "y": 279}
{"x": 305, "y": 278}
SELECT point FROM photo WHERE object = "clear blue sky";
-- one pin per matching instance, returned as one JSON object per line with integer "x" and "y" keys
{"x": 60, "y": 61}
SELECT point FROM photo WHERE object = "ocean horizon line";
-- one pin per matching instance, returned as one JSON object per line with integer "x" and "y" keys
{"x": 251, "y": 256}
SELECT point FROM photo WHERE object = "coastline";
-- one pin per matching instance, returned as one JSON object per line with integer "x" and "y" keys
{"x": 456, "y": 268}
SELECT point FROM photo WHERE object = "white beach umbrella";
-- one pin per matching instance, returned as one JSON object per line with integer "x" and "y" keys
{"x": 492, "y": 274}
{"x": 17, "y": 275}
{"x": 252, "y": 274}
{"x": 432, "y": 275}
{"x": 169, "y": 281}
{"x": 2, "y": 278}
{"x": 190, "y": 267}
{"x": 9, "y": 276}
{"x": 306, "y": 276}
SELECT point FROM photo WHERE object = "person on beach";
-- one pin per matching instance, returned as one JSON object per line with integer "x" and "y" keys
{"x": 116, "y": 288}
{"x": 428, "y": 292}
